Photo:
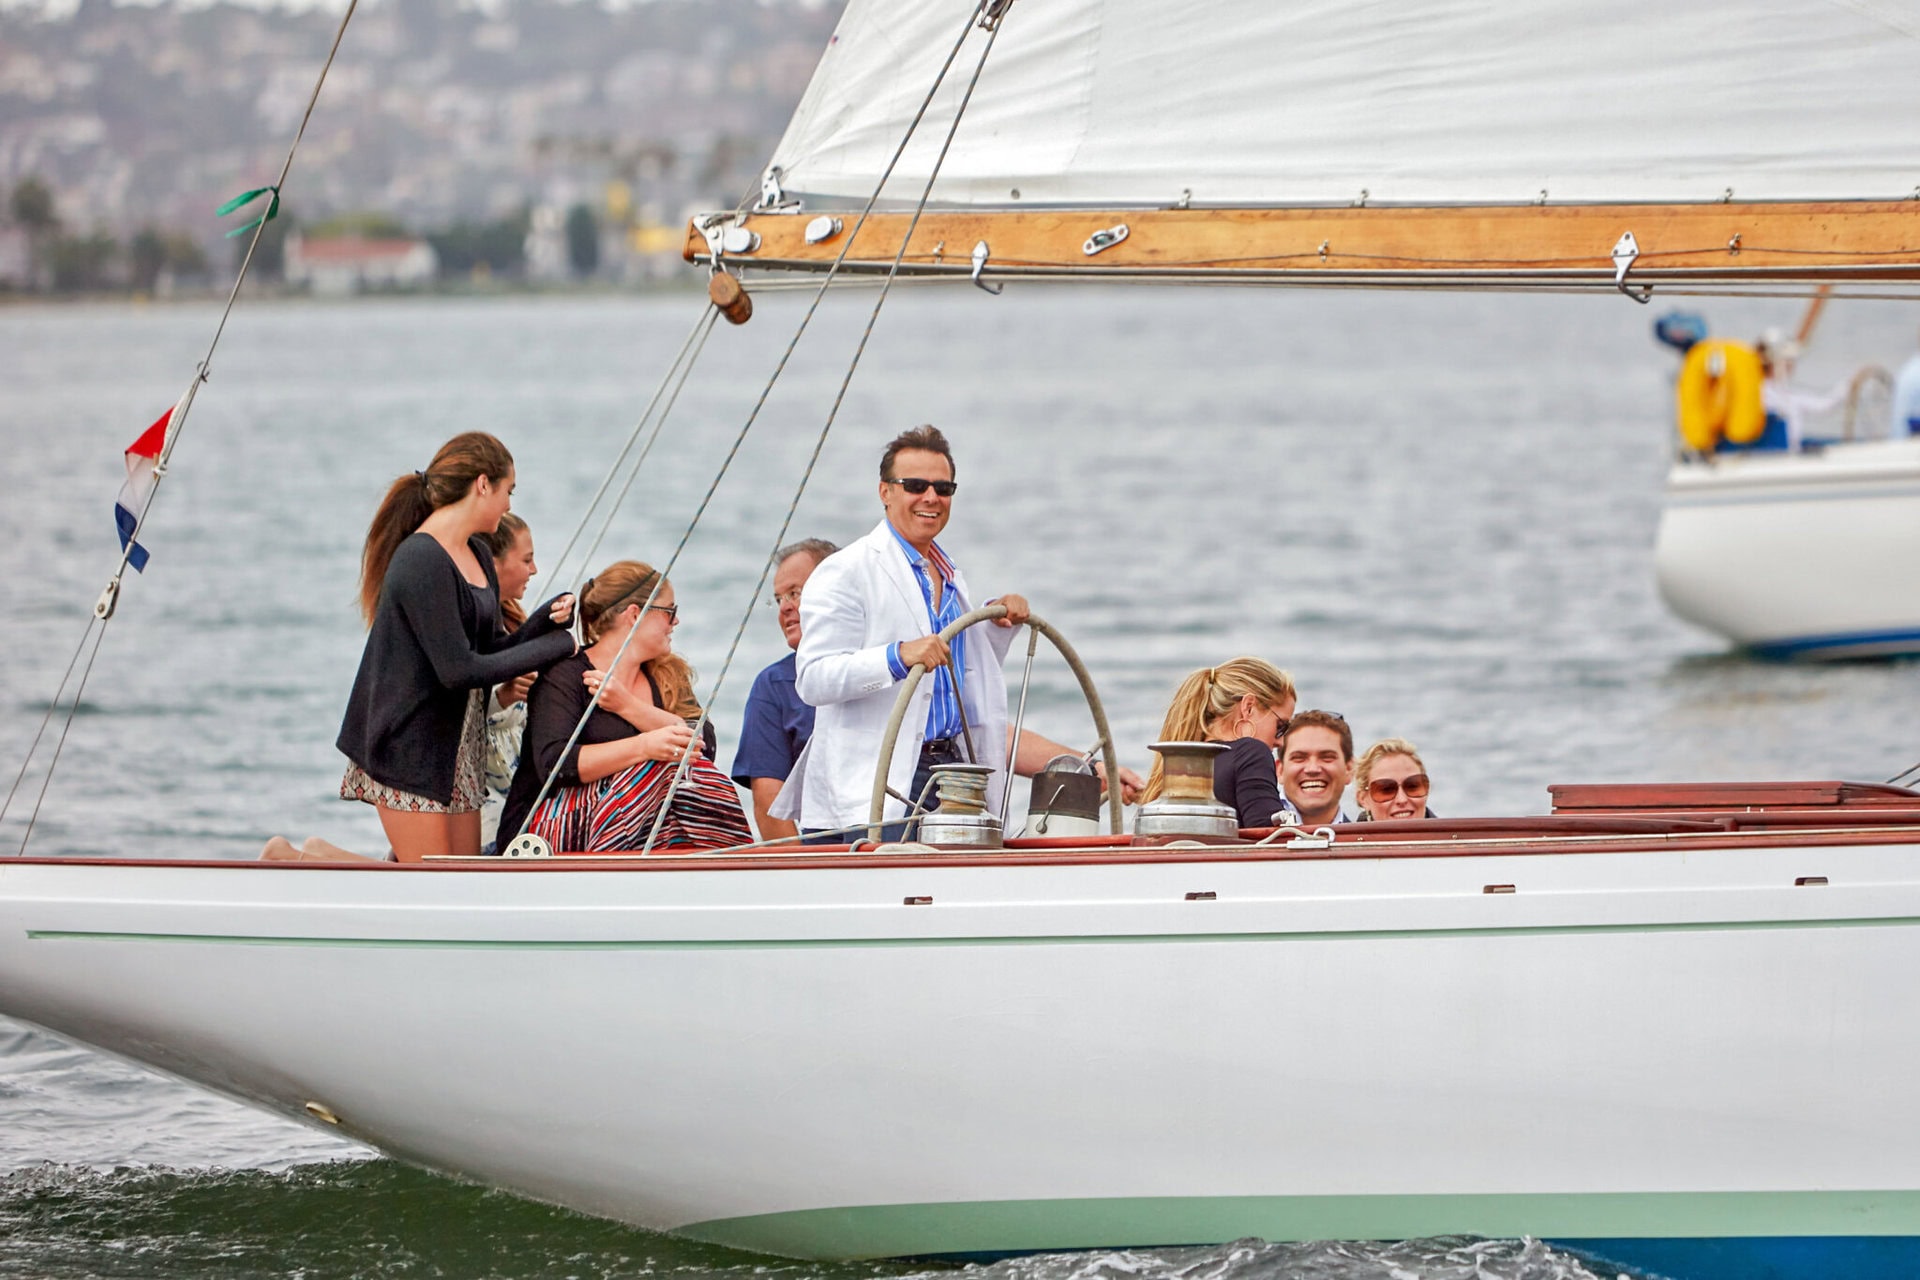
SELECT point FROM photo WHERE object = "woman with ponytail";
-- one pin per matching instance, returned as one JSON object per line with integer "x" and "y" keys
{"x": 414, "y": 733}
{"x": 611, "y": 784}
{"x": 1245, "y": 703}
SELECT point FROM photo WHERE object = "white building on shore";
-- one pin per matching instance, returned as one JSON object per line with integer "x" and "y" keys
{"x": 337, "y": 266}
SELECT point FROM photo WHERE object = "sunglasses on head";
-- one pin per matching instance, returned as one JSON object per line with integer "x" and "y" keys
{"x": 919, "y": 484}
{"x": 1385, "y": 789}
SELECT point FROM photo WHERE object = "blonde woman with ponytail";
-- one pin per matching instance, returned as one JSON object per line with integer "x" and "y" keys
{"x": 610, "y": 786}
{"x": 1244, "y": 703}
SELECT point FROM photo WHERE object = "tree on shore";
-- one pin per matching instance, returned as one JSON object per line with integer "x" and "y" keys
{"x": 153, "y": 251}
{"x": 583, "y": 240}
{"x": 82, "y": 263}
{"x": 32, "y": 209}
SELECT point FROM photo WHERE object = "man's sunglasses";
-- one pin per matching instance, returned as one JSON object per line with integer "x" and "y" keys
{"x": 1385, "y": 789}
{"x": 918, "y": 485}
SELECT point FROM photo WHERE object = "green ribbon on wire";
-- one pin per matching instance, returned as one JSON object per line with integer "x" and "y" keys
{"x": 246, "y": 198}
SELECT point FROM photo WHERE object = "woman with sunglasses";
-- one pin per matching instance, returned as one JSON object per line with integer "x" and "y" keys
{"x": 611, "y": 784}
{"x": 1391, "y": 781}
{"x": 1244, "y": 703}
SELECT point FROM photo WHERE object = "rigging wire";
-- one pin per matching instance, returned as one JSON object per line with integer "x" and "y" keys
{"x": 53, "y": 705}
{"x": 870, "y": 277}
{"x": 985, "y": 7}
{"x": 681, "y": 367}
{"x": 103, "y": 609}
{"x": 993, "y": 32}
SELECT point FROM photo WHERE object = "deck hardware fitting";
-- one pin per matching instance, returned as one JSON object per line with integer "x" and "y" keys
{"x": 725, "y": 292}
{"x": 1104, "y": 239}
{"x": 939, "y": 250}
{"x": 1733, "y": 245}
{"x": 1318, "y": 838}
{"x": 1626, "y": 251}
{"x": 771, "y": 195}
{"x": 739, "y": 240}
{"x": 1361, "y": 203}
{"x": 1726, "y": 197}
{"x": 822, "y": 229}
{"x": 1543, "y": 195}
{"x": 1806, "y": 881}
{"x": 1496, "y": 888}
{"x": 916, "y": 902}
{"x": 320, "y": 1113}
{"x": 1186, "y": 197}
{"x": 109, "y": 598}
{"x": 527, "y": 846}
{"x": 711, "y": 229}
{"x": 1205, "y": 895}
{"x": 980, "y": 255}
{"x": 1323, "y": 249}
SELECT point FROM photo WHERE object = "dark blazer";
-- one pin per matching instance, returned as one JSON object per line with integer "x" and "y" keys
{"x": 435, "y": 636}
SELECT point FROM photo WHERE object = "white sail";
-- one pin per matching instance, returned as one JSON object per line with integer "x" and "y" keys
{"x": 1127, "y": 103}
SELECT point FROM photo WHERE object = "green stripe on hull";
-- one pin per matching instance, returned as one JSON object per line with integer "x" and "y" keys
{"x": 1022, "y": 1226}
{"x": 1041, "y": 940}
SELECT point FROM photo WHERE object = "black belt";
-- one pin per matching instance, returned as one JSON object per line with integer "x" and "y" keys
{"x": 940, "y": 749}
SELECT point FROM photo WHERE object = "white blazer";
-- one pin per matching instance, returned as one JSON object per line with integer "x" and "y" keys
{"x": 857, "y": 602}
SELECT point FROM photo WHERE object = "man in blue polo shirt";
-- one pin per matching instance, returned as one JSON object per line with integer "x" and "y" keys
{"x": 777, "y": 724}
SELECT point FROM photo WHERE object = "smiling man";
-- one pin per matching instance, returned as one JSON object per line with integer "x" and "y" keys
{"x": 868, "y": 616}
{"x": 1316, "y": 763}
{"x": 777, "y": 724}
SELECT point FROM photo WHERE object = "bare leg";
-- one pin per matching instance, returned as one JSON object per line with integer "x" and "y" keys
{"x": 314, "y": 849}
{"x": 415, "y": 835}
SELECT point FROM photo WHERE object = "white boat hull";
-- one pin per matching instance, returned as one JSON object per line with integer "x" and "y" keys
{"x": 1631, "y": 1045}
{"x": 1798, "y": 555}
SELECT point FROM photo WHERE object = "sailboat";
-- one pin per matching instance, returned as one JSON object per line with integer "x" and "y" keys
{"x": 1782, "y": 551}
{"x": 1667, "y": 1025}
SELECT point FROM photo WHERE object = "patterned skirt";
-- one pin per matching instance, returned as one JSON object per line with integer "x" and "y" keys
{"x": 469, "y": 772}
{"x": 616, "y": 813}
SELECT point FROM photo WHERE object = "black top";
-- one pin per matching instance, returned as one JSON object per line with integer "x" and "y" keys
{"x": 434, "y": 637}
{"x": 554, "y": 706}
{"x": 1245, "y": 781}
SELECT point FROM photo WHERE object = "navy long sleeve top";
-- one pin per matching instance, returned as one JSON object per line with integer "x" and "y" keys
{"x": 435, "y": 637}
{"x": 1244, "y": 779}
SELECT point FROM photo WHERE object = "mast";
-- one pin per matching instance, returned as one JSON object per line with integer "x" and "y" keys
{"x": 1559, "y": 144}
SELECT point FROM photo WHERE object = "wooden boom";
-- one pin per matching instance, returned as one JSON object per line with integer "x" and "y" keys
{"x": 1506, "y": 246}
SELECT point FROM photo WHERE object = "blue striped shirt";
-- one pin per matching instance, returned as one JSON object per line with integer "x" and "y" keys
{"x": 943, "y": 718}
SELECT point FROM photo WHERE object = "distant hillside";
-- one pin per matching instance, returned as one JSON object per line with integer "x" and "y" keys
{"x": 434, "y": 113}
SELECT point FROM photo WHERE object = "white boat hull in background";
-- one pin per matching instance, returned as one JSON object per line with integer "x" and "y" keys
{"x": 1667, "y": 1039}
{"x": 1811, "y": 554}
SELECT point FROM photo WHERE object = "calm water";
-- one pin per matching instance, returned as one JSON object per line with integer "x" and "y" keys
{"x": 1437, "y": 512}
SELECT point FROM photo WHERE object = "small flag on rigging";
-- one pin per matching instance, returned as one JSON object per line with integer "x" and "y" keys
{"x": 143, "y": 455}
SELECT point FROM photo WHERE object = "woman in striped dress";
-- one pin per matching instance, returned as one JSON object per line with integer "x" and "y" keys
{"x": 612, "y": 784}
